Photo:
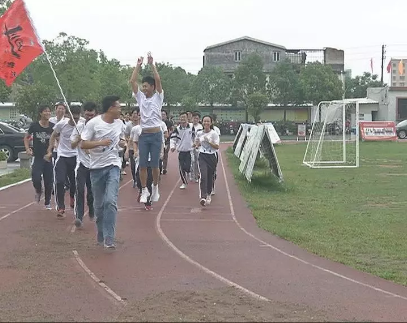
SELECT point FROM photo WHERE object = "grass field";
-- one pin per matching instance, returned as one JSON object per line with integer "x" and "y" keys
{"x": 357, "y": 217}
{"x": 14, "y": 177}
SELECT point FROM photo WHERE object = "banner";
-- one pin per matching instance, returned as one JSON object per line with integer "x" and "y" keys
{"x": 19, "y": 44}
{"x": 378, "y": 130}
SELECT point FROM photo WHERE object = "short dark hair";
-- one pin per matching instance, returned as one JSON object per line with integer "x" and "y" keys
{"x": 108, "y": 102}
{"x": 135, "y": 110}
{"x": 183, "y": 113}
{"x": 76, "y": 109}
{"x": 165, "y": 111}
{"x": 41, "y": 108}
{"x": 188, "y": 111}
{"x": 89, "y": 106}
{"x": 196, "y": 114}
{"x": 60, "y": 103}
{"x": 148, "y": 79}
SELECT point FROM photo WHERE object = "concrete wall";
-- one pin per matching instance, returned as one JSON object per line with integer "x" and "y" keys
{"x": 387, "y": 98}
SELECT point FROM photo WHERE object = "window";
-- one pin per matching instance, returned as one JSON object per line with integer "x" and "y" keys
{"x": 402, "y": 84}
{"x": 276, "y": 56}
{"x": 402, "y": 78}
{"x": 13, "y": 113}
{"x": 394, "y": 83}
{"x": 238, "y": 56}
{"x": 394, "y": 78}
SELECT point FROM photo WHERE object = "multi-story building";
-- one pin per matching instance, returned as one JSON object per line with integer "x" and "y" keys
{"x": 228, "y": 55}
{"x": 398, "y": 79}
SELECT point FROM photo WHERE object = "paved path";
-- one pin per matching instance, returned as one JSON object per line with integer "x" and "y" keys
{"x": 176, "y": 262}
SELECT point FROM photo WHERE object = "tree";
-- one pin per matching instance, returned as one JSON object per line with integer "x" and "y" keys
{"x": 249, "y": 78}
{"x": 211, "y": 86}
{"x": 320, "y": 83}
{"x": 256, "y": 101}
{"x": 189, "y": 103}
{"x": 4, "y": 6}
{"x": 357, "y": 87}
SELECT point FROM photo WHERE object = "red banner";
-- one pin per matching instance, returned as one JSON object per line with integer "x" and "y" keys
{"x": 19, "y": 44}
{"x": 378, "y": 130}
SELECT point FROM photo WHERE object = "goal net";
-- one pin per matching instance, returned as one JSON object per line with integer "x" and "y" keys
{"x": 334, "y": 138}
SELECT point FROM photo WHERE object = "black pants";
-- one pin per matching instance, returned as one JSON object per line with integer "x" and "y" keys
{"x": 165, "y": 157}
{"x": 149, "y": 183}
{"x": 82, "y": 180}
{"x": 132, "y": 164}
{"x": 64, "y": 167}
{"x": 215, "y": 174}
{"x": 43, "y": 170}
{"x": 54, "y": 159}
{"x": 184, "y": 160}
{"x": 207, "y": 168}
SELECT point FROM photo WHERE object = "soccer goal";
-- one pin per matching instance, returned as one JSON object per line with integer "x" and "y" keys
{"x": 334, "y": 138}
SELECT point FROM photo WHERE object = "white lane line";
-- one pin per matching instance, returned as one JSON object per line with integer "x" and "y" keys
{"x": 15, "y": 184}
{"x": 15, "y": 211}
{"x": 97, "y": 280}
{"x": 193, "y": 262}
{"x": 265, "y": 244}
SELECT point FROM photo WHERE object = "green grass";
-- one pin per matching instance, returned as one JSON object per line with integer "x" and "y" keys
{"x": 14, "y": 177}
{"x": 357, "y": 217}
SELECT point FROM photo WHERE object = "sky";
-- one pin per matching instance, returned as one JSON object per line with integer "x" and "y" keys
{"x": 177, "y": 31}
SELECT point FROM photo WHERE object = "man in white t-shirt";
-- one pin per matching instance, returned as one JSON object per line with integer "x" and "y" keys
{"x": 66, "y": 159}
{"x": 196, "y": 126}
{"x": 150, "y": 100}
{"x": 104, "y": 136}
{"x": 82, "y": 173}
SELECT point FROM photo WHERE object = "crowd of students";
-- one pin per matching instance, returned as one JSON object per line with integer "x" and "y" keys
{"x": 86, "y": 149}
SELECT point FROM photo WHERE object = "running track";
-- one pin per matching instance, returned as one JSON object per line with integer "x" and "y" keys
{"x": 48, "y": 267}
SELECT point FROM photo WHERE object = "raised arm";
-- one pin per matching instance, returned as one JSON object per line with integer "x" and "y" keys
{"x": 134, "y": 76}
{"x": 158, "y": 86}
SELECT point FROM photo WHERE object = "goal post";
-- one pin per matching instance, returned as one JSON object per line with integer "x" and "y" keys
{"x": 334, "y": 137}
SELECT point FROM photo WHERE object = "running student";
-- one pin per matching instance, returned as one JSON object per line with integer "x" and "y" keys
{"x": 207, "y": 140}
{"x": 41, "y": 168}
{"x": 82, "y": 173}
{"x": 182, "y": 140}
{"x": 196, "y": 126}
{"x": 150, "y": 101}
{"x": 103, "y": 135}
{"x": 66, "y": 161}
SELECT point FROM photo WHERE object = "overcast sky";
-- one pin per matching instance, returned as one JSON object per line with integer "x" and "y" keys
{"x": 177, "y": 31}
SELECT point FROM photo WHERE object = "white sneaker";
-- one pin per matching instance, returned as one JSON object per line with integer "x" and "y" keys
{"x": 145, "y": 194}
{"x": 202, "y": 202}
{"x": 208, "y": 200}
{"x": 213, "y": 192}
{"x": 197, "y": 181}
{"x": 156, "y": 195}
{"x": 183, "y": 186}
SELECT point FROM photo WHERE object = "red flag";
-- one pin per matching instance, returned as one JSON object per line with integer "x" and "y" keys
{"x": 389, "y": 67}
{"x": 19, "y": 44}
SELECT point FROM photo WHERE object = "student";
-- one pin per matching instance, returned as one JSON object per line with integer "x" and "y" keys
{"x": 103, "y": 136}
{"x": 41, "y": 168}
{"x": 196, "y": 126}
{"x": 182, "y": 140}
{"x": 150, "y": 101}
{"x": 217, "y": 155}
{"x": 66, "y": 161}
{"x": 129, "y": 154}
{"x": 60, "y": 110}
{"x": 82, "y": 173}
{"x": 208, "y": 142}
{"x": 170, "y": 125}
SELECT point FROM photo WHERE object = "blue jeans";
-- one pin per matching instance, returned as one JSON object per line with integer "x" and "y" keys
{"x": 149, "y": 144}
{"x": 105, "y": 188}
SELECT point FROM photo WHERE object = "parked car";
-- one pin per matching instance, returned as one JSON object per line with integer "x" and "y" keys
{"x": 401, "y": 129}
{"x": 11, "y": 141}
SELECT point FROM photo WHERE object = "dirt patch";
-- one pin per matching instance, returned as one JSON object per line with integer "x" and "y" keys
{"x": 225, "y": 304}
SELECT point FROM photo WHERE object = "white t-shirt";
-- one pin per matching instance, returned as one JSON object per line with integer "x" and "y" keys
{"x": 96, "y": 130}
{"x": 217, "y": 130}
{"x": 54, "y": 120}
{"x": 150, "y": 109}
{"x": 64, "y": 129}
{"x": 205, "y": 147}
{"x": 163, "y": 129}
{"x": 83, "y": 157}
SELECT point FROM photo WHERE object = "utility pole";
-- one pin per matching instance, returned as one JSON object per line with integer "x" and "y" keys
{"x": 383, "y": 58}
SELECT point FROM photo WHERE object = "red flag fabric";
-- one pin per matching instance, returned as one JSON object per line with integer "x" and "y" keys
{"x": 19, "y": 44}
{"x": 389, "y": 67}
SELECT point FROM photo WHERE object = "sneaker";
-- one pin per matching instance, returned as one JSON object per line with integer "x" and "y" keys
{"x": 72, "y": 202}
{"x": 48, "y": 207}
{"x": 208, "y": 200}
{"x": 197, "y": 181}
{"x": 148, "y": 207}
{"x": 145, "y": 194}
{"x": 164, "y": 171}
{"x": 78, "y": 223}
{"x": 183, "y": 186}
{"x": 156, "y": 195}
{"x": 213, "y": 192}
{"x": 38, "y": 197}
{"x": 109, "y": 244}
{"x": 124, "y": 173}
{"x": 203, "y": 202}
{"x": 61, "y": 214}
{"x": 92, "y": 218}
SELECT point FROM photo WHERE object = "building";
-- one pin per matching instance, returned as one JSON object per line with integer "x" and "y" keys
{"x": 392, "y": 102}
{"x": 398, "y": 79}
{"x": 8, "y": 111}
{"x": 227, "y": 55}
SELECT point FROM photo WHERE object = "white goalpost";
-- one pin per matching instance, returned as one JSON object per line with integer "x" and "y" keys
{"x": 334, "y": 138}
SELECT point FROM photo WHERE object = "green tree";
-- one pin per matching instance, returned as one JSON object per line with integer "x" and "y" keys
{"x": 249, "y": 78}
{"x": 257, "y": 102}
{"x": 4, "y": 6}
{"x": 189, "y": 103}
{"x": 357, "y": 87}
{"x": 320, "y": 83}
{"x": 211, "y": 86}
